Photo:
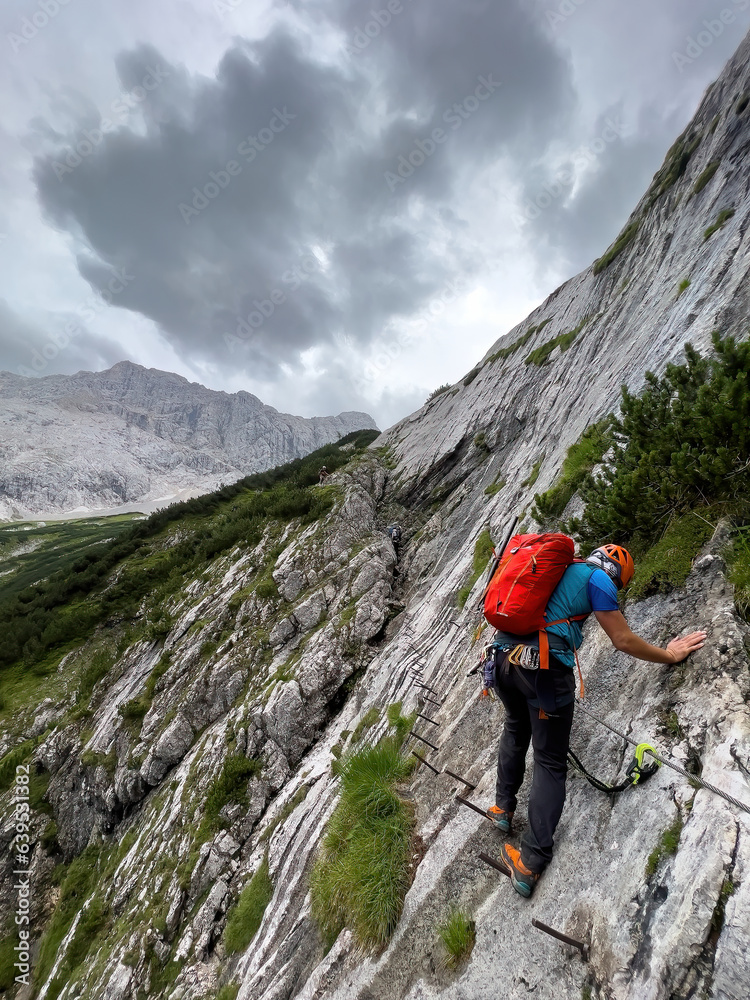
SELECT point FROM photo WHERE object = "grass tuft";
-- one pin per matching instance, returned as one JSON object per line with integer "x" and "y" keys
{"x": 361, "y": 873}
{"x": 721, "y": 219}
{"x": 482, "y": 554}
{"x": 458, "y": 934}
{"x": 683, "y": 286}
{"x": 668, "y": 844}
{"x": 247, "y": 915}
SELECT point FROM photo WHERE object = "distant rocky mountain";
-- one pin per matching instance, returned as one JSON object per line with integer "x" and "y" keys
{"x": 132, "y": 435}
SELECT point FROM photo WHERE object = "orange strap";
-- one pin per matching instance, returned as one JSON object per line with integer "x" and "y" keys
{"x": 544, "y": 646}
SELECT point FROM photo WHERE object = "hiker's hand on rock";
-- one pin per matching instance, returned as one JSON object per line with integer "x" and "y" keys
{"x": 680, "y": 649}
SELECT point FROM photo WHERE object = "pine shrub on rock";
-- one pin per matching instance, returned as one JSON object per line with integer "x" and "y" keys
{"x": 681, "y": 447}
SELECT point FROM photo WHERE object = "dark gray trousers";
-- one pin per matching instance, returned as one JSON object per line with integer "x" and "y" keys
{"x": 550, "y": 738}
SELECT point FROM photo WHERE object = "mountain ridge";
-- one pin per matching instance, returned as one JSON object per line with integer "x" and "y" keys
{"x": 129, "y": 435}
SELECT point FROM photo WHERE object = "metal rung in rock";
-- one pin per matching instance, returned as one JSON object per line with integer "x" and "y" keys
{"x": 418, "y": 737}
{"x": 583, "y": 948}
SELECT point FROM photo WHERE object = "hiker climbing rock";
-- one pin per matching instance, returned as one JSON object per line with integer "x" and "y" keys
{"x": 323, "y": 474}
{"x": 394, "y": 533}
{"x": 538, "y": 599}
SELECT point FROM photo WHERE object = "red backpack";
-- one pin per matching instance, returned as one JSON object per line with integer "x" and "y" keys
{"x": 521, "y": 586}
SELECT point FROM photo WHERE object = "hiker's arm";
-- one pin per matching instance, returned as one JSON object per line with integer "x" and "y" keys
{"x": 623, "y": 638}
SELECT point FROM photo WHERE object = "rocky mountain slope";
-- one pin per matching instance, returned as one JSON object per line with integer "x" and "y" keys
{"x": 185, "y": 750}
{"x": 102, "y": 440}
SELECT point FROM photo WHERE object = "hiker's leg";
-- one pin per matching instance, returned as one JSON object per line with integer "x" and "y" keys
{"x": 514, "y": 744}
{"x": 550, "y": 738}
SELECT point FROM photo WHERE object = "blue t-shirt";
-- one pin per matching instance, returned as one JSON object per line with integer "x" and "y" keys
{"x": 581, "y": 590}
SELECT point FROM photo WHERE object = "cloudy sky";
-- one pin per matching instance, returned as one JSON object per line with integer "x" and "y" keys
{"x": 333, "y": 204}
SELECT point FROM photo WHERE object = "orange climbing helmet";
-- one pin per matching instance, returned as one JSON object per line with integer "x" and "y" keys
{"x": 616, "y": 562}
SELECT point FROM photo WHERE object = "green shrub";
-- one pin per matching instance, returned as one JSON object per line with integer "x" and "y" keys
{"x": 495, "y": 487}
{"x": 540, "y": 354}
{"x": 246, "y": 916}
{"x": 666, "y": 564}
{"x": 11, "y": 760}
{"x": 228, "y": 992}
{"x": 468, "y": 379}
{"x": 739, "y": 575}
{"x": 721, "y": 219}
{"x": 482, "y": 554}
{"x": 535, "y": 470}
{"x": 438, "y": 392}
{"x": 682, "y": 445}
{"x": 267, "y": 589}
{"x": 674, "y": 166}
{"x": 625, "y": 238}
{"x": 580, "y": 460}
{"x": 361, "y": 873}
{"x": 506, "y": 352}
{"x": 705, "y": 176}
{"x": 458, "y": 934}
{"x": 683, "y": 286}
{"x": 480, "y": 442}
{"x": 229, "y": 786}
{"x": 668, "y": 844}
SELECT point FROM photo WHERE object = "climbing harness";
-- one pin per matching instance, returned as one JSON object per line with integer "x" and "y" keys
{"x": 691, "y": 778}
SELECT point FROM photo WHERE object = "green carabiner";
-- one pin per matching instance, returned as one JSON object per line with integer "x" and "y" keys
{"x": 638, "y": 769}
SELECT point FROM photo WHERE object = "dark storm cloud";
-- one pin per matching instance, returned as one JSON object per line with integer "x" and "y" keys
{"x": 254, "y": 211}
{"x": 27, "y": 349}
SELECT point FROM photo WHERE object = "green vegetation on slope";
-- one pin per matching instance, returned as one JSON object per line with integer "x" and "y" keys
{"x": 580, "y": 460}
{"x": 681, "y": 460}
{"x": 457, "y": 933}
{"x": 31, "y": 552}
{"x": 63, "y": 610}
{"x": 246, "y": 916}
{"x": 540, "y": 354}
{"x": 482, "y": 554}
{"x": 361, "y": 873}
{"x": 625, "y": 238}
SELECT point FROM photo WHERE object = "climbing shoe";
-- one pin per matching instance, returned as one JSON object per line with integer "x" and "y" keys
{"x": 523, "y": 878}
{"x": 501, "y": 818}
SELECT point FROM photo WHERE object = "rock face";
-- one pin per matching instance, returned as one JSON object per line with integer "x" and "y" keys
{"x": 98, "y": 440}
{"x": 276, "y": 652}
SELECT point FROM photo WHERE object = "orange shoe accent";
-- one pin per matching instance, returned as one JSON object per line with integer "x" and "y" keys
{"x": 514, "y": 856}
{"x": 523, "y": 878}
{"x": 501, "y": 818}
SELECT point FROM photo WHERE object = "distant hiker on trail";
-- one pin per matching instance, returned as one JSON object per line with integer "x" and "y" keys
{"x": 323, "y": 474}
{"x": 394, "y": 533}
{"x": 535, "y": 675}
